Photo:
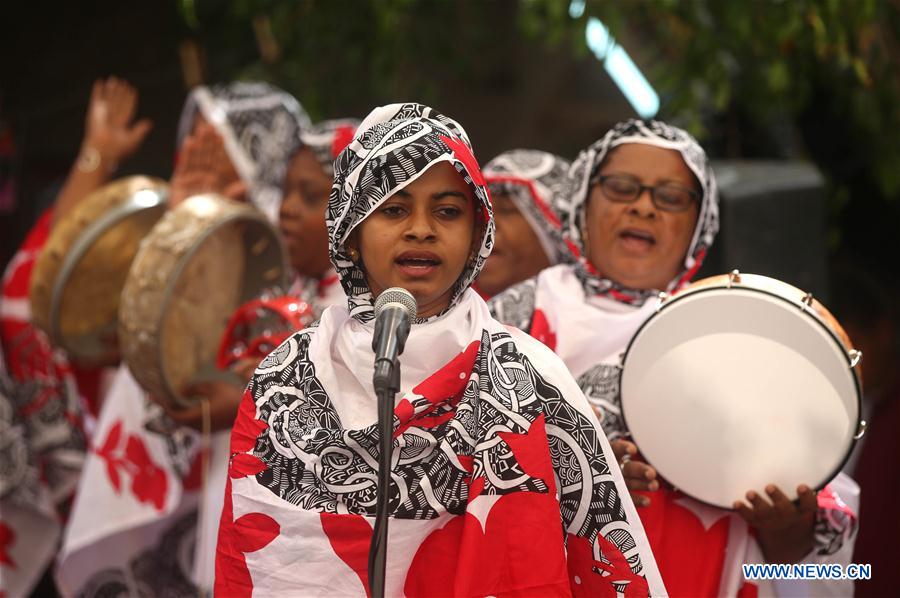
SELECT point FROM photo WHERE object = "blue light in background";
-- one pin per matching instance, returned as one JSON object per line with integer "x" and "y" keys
{"x": 576, "y": 8}
{"x": 632, "y": 83}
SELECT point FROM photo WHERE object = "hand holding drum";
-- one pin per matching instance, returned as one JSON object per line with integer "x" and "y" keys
{"x": 765, "y": 379}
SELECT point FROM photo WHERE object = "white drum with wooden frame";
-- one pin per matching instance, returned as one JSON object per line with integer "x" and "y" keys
{"x": 205, "y": 258}
{"x": 740, "y": 381}
{"x": 78, "y": 277}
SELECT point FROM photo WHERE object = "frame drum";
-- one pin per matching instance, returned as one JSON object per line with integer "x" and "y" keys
{"x": 79, "y": 275}
{"x": 740, "y": 381}
{"x": 205, "y": 258}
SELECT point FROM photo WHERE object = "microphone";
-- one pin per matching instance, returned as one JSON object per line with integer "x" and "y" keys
{"x": 395, "y": 309}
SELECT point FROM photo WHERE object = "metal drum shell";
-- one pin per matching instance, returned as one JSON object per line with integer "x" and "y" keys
{"x": 790, "y": 296}
{"x": 72, "y": 238}
{"x": 156, "y": 271}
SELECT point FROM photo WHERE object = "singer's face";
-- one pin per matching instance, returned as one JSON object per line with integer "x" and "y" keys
{"x": 636, "y": 244}
{"x": 420, "y": 238}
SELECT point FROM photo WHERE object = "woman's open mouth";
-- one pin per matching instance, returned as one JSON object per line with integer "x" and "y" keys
{"x": 637, "y": 240}
{"x": 417, "y": 264}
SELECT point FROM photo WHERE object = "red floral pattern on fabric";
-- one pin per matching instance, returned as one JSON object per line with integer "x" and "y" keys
{"x": 7, "y": 539}
{"x": 343, "y": 136}
{"x": 350, "y": 537}
{"x": 540, "y": 329}
{"x": 444, "y": 387}
{"x": 462, "y": 153}
{"x": 585, "y": 580}
{"x": 519, "y": 553}
{"x": 514, "y": 554}
{"x": 829, "y": 501}
{"x": 677, "y": 536}
{"x": 29, "y": 354}
{"x": 532, "y": 452}
{"x": 250, "y": 532}
{"x": 148, "y": 480}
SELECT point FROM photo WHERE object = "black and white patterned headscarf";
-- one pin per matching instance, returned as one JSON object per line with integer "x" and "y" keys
{"x": 534, "y": 180}
{"x": 393, "y": 146}
{"x": 327, "y": 139}
{"x": 260, "y": 125}
{"x": 577, "y": 190}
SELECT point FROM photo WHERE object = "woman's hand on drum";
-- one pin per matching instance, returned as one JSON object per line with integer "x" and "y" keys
{"x": 224, "y": 398}
{"x": 638, "y": 475}
{"x": 784, "y": 528}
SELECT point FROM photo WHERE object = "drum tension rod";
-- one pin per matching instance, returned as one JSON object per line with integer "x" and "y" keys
{"x": 807, "y": 301}
{"x": 734, "y": 277}
{"x": 660, "y": 299}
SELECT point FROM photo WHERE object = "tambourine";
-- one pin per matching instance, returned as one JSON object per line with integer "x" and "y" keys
{"x": 259, "y": 326}
{"x": 740, "y": 381}
{"x": 205, "y": 258}
{"x": 79, "y": 275}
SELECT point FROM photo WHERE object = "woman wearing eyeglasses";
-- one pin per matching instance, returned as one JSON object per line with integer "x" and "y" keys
{"x": 641, "y": 206}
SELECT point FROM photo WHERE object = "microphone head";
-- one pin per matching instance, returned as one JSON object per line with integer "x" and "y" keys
{"x": 400, "y": 296}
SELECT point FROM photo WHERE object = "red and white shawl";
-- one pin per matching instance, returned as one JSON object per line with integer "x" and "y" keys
{"x": 502, "y": 481}
{"x": 588, "y": 321}
{"x": 42, "y": 428}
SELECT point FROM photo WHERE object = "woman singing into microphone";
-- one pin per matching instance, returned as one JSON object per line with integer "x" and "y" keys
{"x": 501, "y": 476}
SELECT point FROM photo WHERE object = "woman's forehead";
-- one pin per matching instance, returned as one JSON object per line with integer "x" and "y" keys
{"x": 645, "y": 158}
{"x": 438, "y": 178}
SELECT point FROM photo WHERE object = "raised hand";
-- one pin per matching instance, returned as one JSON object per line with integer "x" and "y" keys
{"x": 110, "y": 129}
{"x": 204, "y": 167}
{"x": 110, "y": 137}
{"x": 638, "y": 475}
{"x": 785, "y": 529}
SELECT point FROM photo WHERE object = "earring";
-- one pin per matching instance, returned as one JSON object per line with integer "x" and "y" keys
{"x": 354, "y": 255}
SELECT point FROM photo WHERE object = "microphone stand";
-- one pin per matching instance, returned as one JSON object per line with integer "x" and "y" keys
{"x": 378, "y": 546}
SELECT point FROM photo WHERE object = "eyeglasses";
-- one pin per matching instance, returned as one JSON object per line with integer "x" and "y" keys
{"x": 668, "y": 197}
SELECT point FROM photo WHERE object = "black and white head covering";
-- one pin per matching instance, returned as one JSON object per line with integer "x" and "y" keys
{"x": 393, "y": 146}
{"x": 260, "y": 125}
{"x": 327, "y": 139}
{"x": 534, "y": 180}
{"x": 576, "y": 191}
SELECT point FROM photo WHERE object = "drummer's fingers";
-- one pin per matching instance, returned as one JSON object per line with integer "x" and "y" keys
{"x": 806, "y": 499}
{"x": 639, "y": 499}
{"x": 187, "y": 416}
{"x": 762, "y": 508}
{"x": 245, "y": 368}
{"x": 745, "y": 512}
{"x": 622, "y": 447}
{"x": 639, "y": 476}
{"x": 782, "y": 504}
{"x": 236, "y": 191}
{"x": 186, "y": 155}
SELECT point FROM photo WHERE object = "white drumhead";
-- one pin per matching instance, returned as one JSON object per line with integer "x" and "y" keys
{"x": 728, "y": 390}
